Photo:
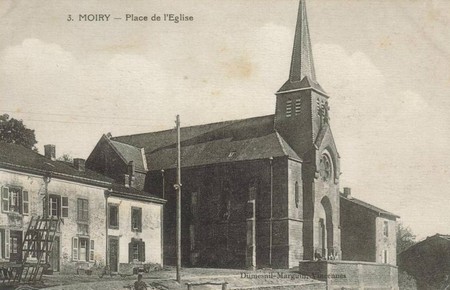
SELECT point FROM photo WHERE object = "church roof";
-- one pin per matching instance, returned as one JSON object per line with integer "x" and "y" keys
{"x": 369, "y": 206}
{"x": 131, "y": 153}
{"x": 230, "y": 141}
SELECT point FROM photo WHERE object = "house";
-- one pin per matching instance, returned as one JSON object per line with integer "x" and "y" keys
{"x": 428, "y": 262}
{"x": 368, "y": 233}
{"x": 260, "y": 192}
{"x": 103, "y": 222}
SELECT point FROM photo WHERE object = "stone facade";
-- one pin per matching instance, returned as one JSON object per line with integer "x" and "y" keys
{"x": 80, "y": 199}
{"x": 368, "y": 233}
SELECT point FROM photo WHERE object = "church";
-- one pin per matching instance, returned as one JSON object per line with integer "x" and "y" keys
{"x": 262, "y": 192}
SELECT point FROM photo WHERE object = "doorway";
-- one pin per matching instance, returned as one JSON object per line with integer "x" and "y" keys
{"x": 15, "y": 246}
{"x": 54, "y": 255}
{"x": 114, "y": 254}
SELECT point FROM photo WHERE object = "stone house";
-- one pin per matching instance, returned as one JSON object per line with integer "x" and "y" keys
{"x": 368, "y": 232}
{"x": 102, "y": 221}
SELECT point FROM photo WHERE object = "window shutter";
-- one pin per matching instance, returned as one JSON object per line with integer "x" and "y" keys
{"x": 7, "y": 244}
{"x": 5, "y": 199}
{"x": 130, "y": 252}
{"x": 79, "y": 212}
{"x": 142, "y": 251}
{"x": 91, "y": 251}
{"x": 2, "y": 244}
{"x": 25, "y": 204}
{"x": 140, "y": 220}
{"x": 65, "y": 206}
{"x": 75, "y": 248}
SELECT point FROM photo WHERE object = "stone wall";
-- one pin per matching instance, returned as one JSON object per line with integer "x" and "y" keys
{"x": 352, "y": 275}
{"x": 214, "y": 211}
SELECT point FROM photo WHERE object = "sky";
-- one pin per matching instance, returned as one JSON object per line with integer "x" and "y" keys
{"x": 385, "y": 65}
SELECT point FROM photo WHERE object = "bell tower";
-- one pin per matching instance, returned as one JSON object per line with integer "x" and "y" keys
{"x": 302, "y": 119}
{"x": 302, "y": 104}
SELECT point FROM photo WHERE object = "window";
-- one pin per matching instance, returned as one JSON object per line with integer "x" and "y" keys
{"x": 288, "y": 108}
{"x": 14, "y": 200}
{"x": 385, "y": 256}
{"x": 82, "y": 249}
{"x": 136, "y": 250}
{"x": 298, "y": 106}
{"x": 136, "y": 219}
{"x": 325, "y": 167}
{"x": 386, "y": 228}
{"x": 113, "y": 216}
{"x": 297, "y": 194}
{"x": 83, "y": 210}
{"x": 58, "y": 206}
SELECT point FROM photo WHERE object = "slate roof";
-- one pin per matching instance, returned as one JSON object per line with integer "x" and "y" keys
{"x": 18, "y": 157}
{"x": 131, "y": 153}
{"x": 237, "y": 140}
{"x": 369, "y": 206}
{"x": 305, "y": 83}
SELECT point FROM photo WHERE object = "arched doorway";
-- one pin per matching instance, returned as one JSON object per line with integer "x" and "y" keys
{"x": 325, "y": 228}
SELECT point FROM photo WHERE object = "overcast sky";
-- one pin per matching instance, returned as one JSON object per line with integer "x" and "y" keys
{"x": 384, "y": 63}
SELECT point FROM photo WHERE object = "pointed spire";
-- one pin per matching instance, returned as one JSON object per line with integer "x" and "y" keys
{"x": 302, "y": 63}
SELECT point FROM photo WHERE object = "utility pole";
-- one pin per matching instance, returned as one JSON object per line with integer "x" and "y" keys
{"x": 178, "y": 188}
{"x": 271, "y": 212}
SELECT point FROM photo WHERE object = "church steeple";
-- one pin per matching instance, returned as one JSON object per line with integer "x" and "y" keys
{"x": 302, "y": 64}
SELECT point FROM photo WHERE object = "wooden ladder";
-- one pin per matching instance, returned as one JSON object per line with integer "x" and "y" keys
{"x": 36, "y": 248}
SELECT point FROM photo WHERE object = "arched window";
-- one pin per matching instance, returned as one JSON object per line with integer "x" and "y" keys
{"x": 325, "y": 167}
{"x": 297, "y": 194}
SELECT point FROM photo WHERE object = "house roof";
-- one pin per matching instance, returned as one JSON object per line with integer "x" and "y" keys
{"x": 15, "y": 156}
{"x": 369, "y": 206}
{"x": 237, "y": 140}
{"x": 131, "y": 153}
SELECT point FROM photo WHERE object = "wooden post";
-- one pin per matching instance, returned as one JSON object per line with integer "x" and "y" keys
{"x": 251, "y": 235}
{"x": 178, "y": 188}
{"x": 271, "y": 212}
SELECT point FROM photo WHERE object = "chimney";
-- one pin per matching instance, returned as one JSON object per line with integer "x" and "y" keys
{"x": 348, "y": 192}
{"x": 50, "y": 151}
{"x": 80, "y": 164}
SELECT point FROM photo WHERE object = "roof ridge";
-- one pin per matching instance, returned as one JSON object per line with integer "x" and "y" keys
{"x": 192, "y": 126}
{"x": 280, "y": 142}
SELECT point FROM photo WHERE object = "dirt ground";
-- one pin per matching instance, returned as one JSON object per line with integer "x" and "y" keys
{"x": 165, "y": 279}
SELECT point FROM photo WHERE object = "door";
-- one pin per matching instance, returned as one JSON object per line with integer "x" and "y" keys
{"x": 83, "y": 249}
{"x": 54, "y": 255}
{"x": 114, "y": 254}
{"x": 15, "y": 246}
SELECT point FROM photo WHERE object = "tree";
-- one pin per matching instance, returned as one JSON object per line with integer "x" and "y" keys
{"x": 405, "y": 237}
{"x": 14, "y": 131}
{"x": 65, "y": 158}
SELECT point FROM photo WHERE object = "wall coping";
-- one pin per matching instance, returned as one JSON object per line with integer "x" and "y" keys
{"x": 336, "y": 262}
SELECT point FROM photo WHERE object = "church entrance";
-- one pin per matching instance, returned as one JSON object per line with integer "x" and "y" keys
{"x": 325, "y": 229}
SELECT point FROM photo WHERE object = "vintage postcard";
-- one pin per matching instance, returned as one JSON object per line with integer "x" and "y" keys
{"x": 245, "y": 144}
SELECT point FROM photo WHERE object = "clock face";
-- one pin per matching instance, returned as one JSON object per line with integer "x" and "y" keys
{"x": 325, "y": 168}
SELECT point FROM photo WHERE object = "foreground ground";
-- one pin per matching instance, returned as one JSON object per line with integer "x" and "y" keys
{"x": 165, "y": 279}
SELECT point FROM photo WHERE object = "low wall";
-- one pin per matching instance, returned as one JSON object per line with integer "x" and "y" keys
{"x": 351, "y": 274}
